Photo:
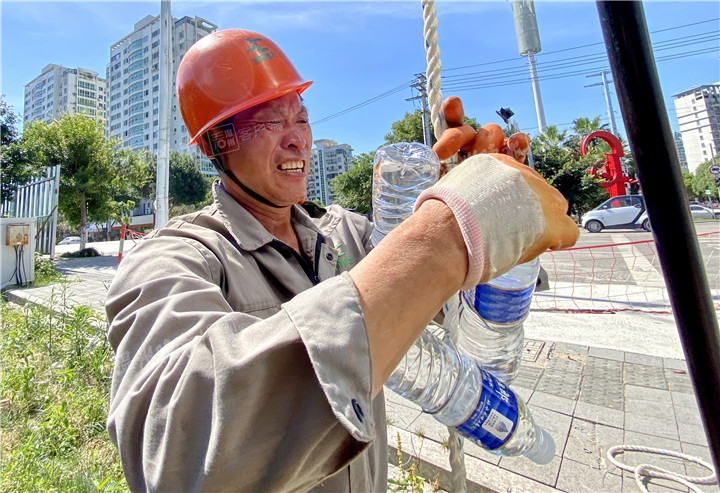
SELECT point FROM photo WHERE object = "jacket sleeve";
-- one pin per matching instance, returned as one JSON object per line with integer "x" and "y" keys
{"x": 204, "y": 398}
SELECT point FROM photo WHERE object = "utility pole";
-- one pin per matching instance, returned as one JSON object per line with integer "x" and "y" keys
{"x": 611, "y": 115}
{"x": 165, "y": 93}
{"x": 529, "y": 45}
{"x": 608, "y": 100}
{"x": 421, "y": 85}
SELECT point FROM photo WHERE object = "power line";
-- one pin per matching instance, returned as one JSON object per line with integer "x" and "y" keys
{"x": 521, "y": 68}
{"x": 390, "y": 92}
{"x": 547, "y": 66}
{"x": 457, "y": 86}
{"x": 599, "y": 43}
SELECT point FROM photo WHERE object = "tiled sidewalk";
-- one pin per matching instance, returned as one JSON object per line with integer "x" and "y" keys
{"x": 589, "y": 399}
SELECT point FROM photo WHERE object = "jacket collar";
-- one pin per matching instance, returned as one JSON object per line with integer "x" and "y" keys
{"x": 247, "y": 230}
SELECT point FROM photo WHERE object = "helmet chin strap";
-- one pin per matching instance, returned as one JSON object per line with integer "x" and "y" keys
{"x": 220, "y": 166}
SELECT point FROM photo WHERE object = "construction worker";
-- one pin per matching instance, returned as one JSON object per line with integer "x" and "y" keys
{"x": 253, "y": 337}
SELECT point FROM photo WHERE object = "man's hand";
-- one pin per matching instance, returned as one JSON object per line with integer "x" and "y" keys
{"x": 507, "y": 213}
{"x": 465, "y": 141}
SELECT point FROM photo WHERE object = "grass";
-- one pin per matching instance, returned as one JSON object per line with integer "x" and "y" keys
{"x": 45, "y": 272}
{"x": 54, "y": 395}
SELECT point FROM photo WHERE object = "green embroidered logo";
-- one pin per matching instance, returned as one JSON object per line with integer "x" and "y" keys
{"x": 263, "y": 53}
{"x": 344, "y": 260}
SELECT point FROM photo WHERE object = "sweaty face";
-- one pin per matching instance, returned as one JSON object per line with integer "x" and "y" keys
{"x": 268, "y": 149}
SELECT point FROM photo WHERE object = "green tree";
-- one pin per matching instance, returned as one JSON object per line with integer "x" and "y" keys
{"x": 558, "y": 160}
{"x": 93, "y": 172}
{"x": 410, "y": 129}
{"x": 17, "y": 166}
{"x": 688, "y": 179}
{"x": 704, "y": 180}
{"x": 188, "y": 187}
{"x": 353, "y": 189}
{"x": 549, "y": 140}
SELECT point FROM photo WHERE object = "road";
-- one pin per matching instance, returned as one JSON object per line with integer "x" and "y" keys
{"x": 633, "y": 253}
{"x": 105, "y": 248}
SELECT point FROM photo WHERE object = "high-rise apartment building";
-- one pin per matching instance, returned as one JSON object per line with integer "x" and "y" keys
{"x": 328, "y": 160}
{"x": 134, "y": 86}
{"x": 698, "y": 113}
{"x": 59, "y": 90}
{"x": 682, "y": 159}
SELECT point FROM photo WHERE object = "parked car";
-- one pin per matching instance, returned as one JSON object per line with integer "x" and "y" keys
{"x": 69, "y": 240}
{"x": 624, "y": 211}
{"x": 701, "y": 212}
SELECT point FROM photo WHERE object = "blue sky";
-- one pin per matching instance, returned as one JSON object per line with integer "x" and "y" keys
{"x": 356, "y": 51}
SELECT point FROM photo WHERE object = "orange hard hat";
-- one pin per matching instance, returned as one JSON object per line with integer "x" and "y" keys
{"x": 230, "y": 71}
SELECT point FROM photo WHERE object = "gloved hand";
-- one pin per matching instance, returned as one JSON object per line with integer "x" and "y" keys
{"x": 466, "y": 141}
{"x": 507, "y": 213}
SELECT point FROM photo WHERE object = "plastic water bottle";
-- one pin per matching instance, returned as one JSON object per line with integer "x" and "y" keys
{"x": 491, "y": 320}
{"x": 461, "y": 395}
{"x": 400, "y": 173}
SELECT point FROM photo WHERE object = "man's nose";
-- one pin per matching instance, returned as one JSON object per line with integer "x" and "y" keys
{"x": 295, "y": 136}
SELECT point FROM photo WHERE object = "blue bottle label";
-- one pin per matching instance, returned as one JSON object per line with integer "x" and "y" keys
{"x": 502, "y": 306}
{"x": 495, "y": 417}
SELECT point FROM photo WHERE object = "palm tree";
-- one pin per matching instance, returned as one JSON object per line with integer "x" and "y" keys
{"x": 552, "y": 138}
{"x": 584, "y": 126}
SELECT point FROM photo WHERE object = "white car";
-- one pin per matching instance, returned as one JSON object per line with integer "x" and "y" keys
{"x": 624, "y": 211}
{"x": 701, "y": 212}
{"x": 70, "y": 240}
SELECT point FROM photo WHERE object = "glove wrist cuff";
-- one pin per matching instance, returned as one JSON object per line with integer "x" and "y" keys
{"x": 478, "y": 260}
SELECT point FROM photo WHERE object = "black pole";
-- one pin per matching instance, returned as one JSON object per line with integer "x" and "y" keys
{"x": 648, "y": 131}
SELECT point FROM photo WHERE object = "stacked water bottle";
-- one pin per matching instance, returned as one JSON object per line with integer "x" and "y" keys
{"x": 463, "y": 385}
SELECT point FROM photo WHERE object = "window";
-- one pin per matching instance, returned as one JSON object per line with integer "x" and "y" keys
{"x": 135, "y": 87}
{"x": 134, "y": 56}
{"x": 134, "y": 77}
{"x": 155, "y": 33}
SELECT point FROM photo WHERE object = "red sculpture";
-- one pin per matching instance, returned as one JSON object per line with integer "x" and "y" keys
{"x": 611, "y": 174}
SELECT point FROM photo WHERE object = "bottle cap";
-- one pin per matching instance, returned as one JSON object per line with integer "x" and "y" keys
{"x": 544, "y": 449}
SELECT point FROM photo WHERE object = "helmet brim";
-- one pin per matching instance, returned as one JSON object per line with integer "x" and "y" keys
{"x": 234, "y": 110}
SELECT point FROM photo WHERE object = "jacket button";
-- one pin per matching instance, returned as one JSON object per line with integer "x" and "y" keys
{"x": 329, "y": 256}
{"x": 358, "y": 410}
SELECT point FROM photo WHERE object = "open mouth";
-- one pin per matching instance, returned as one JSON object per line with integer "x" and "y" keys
{"x": 292, "y": 167}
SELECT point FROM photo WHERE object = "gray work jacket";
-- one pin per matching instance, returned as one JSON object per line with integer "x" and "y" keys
{"x": 241, "y": 365}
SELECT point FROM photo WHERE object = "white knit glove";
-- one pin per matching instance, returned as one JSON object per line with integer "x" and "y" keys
{"x": 502, "y": 209}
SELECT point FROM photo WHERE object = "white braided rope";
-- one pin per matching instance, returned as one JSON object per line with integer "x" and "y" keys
{"x": 432, "y": 55}
{"x": 649, "y": 471}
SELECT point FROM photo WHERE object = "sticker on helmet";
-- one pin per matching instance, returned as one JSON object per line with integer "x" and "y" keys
{"x": 263, "y": 52}
{"x": 223, "y": 139}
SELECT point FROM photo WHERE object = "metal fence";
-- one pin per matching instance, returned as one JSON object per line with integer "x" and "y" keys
{"x": 38, "y": 199}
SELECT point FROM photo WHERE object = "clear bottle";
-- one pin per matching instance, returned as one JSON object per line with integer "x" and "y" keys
{"x": 459, "y": 394}
{"x": 400, "y": 173}
{"x": 491, "y": 320}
